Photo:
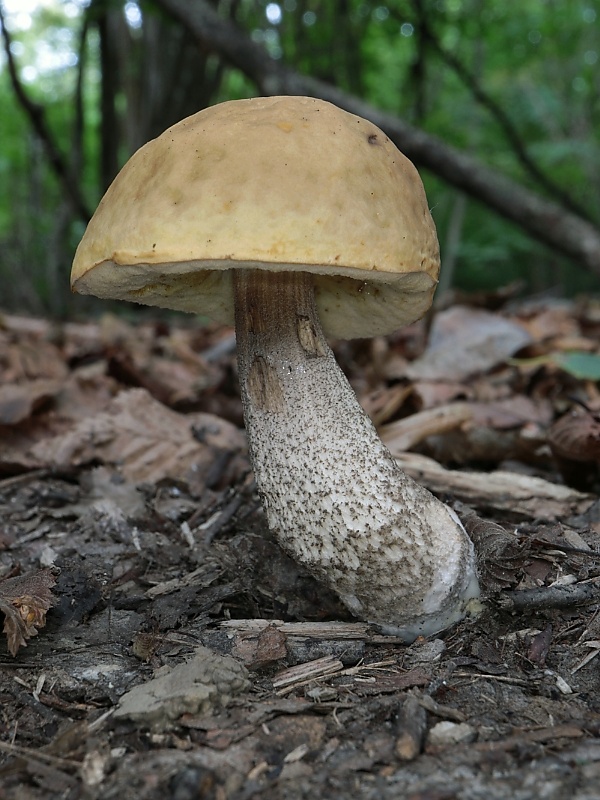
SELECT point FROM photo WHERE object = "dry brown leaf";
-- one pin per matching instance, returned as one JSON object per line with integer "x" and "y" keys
{"x": 20, "y": 401}
{"x": 15, "y": 324}
{"x": 575, "y": 443}
{"x": 428, "y": 394}
{"x": 145, "y": 440}
{"x": 258, "y": 649}
{"x": 466, "y": 341}
{"x": 170, "y": 381}
{"x": 539, "y": 646}
{"x": 500, "y": 554}
{"x": 166, "y": 365}
{"x": 549, "y": 320}
{"x": 512, "y": 427}
{"x": 24, "y": 601}
{"x": 87, "y": 391}
{"x": 511, "y": 412}
{"x": 31, "y": 359}
{"x": 576, "y": 436}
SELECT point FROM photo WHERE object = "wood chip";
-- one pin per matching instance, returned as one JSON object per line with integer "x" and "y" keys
{"x": 405, "y": 433}
{"x": 315, "y": 630}
{"x": 302, "y": 673}
{"x": 410, "y": 727}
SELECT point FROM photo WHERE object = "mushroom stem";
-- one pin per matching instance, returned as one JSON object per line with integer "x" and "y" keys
{"x": 333, "y": 495}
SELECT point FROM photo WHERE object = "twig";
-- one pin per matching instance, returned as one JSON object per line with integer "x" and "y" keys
{"x": 485, "y": 676}
{"x": 24, "y": 477}
{"x": 224, "y": 517}
{"x": 549, "y": 597}
{"x": 596, "y": 651}
{"x": 542, "y": 735}
{"x": 439, "y": 709}
{"x": 38, "y": 755}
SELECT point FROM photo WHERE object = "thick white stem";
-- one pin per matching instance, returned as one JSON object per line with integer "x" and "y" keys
{"x": 333, "y": 495}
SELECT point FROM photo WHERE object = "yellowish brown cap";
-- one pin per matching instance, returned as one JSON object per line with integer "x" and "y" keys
{"x": 270, "y": 183}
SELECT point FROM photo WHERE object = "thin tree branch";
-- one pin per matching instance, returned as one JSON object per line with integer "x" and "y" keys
{"x": 79, "y": 120}
{"x": 37, "y": 118}
{"x": 504, "y": 122}
{"x": 546, "y": 221}
{"x": 550, "y": 597}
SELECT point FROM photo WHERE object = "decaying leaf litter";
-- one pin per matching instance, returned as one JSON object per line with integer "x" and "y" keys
{"x": 157, "y": 641}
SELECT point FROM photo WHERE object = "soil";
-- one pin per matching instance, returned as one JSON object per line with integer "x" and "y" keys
{"x": 185, "y": 656}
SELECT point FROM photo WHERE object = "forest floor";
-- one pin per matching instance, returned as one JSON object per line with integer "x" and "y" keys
{"x": 158, "y": 644}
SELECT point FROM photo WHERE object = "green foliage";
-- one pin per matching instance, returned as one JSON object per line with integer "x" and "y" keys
{"x": 461, "y": 69}
{"x": 578, "y": 363}
{"x": 534, "y": 62}
{"x": 585, "y": 366}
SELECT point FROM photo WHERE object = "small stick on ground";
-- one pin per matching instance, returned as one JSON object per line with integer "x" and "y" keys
{"x": 549, "y": 597}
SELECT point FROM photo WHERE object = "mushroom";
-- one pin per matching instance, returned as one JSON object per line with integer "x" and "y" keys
{"x": 298, "y": 220}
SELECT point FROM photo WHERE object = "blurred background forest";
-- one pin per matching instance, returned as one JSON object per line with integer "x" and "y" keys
{"x": 497, "y": 103}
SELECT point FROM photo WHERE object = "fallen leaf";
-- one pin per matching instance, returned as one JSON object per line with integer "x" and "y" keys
{"x": 145, "y": 440}
{"x": 24, "y": 601}
{"x": 500, "y": 553}
{"x": 31, "y": 358}
{"x": 539, "y": 646}
{"x": 575, "y": 443}
{"x": 20, "y": 401}
{"x": 258, "y": 649}
{"x": 466, "y": 341}
{"x": 428, "y": 394}
{"x": 578, "y": 363}
{"x": 576, "y": 436}
{"x": 549, "y": 320}
{"x": 511, "y": 412}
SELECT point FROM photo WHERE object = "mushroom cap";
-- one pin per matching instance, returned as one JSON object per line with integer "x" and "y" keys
{"x": 268, "y": 183}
